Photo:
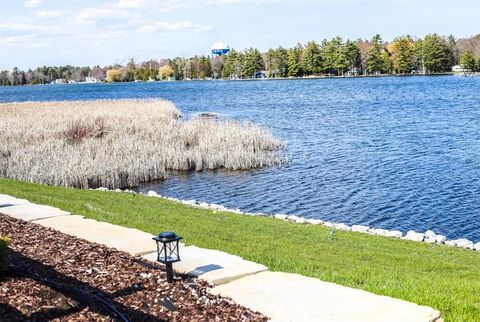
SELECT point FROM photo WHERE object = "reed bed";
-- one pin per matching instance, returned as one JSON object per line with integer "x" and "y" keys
{"x": 123, "y": 143}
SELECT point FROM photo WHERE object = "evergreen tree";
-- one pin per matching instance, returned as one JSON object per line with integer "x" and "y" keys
{"x": 387, "y": 63}
{"x": 253, "y": 62}
{"x": 334, "y": 56}
{"x": 403, "y": 54}
{"x": 280, "y": 62}
{"x": 294, "y": 59}
{"x": 269, "y": 60}
{"x": 311, "y": 59}
{"x": 229, "y": 64}
{"x": 436, "y": 54}
{"x": 204, "y": 67}
{"x": 418, "y": 64}
{"x": 340, "y": 58}
{"x": 374, "y": 56}
{"x": 467, "y": 61}
{"x": 353, "y": 57}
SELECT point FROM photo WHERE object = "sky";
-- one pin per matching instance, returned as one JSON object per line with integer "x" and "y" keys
{"x": 103, "y": 32}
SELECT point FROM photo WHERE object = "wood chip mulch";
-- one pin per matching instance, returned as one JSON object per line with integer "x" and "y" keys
{"x": 56, "y": 277}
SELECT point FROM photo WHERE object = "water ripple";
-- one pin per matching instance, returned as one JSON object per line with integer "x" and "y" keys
{"x": 396, "y": 153}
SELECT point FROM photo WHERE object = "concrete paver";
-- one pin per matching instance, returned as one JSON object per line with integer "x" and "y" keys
{"x": 291, "y": 297}
{"x": 132, "y": 241}
{"x": 31, "y": 212}
{"x": 7, "y": 201}
{"x": 213, "y": 266}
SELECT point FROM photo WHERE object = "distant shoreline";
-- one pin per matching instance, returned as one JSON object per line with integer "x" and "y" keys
{"x": 255, "y": 79}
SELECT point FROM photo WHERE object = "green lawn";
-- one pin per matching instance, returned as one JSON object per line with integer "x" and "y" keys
{"x": 445, "y": 278}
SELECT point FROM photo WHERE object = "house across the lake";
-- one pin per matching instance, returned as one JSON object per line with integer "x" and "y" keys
{"x": 457, "y": 69}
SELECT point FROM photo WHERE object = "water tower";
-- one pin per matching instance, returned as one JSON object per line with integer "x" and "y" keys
{"x": 220, "y": 49}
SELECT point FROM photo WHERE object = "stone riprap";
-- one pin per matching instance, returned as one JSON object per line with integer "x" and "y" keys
{"x": 427, "y": 237}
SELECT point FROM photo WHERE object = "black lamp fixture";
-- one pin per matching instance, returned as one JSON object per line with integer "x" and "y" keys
{"x": 168, "y": 251}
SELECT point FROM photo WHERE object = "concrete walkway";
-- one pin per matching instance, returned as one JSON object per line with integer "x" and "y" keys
{"x": 280, "y": 296}
{"x": 292, "y": 297}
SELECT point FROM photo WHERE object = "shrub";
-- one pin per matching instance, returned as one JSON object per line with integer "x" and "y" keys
{"x": 79, "y": 130}
{"x": 165, "y": 71}
{"x": 4, "y": 242}
{"x": 114, "y": 75}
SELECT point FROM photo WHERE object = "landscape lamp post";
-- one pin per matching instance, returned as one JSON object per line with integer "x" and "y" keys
{"x": 168, "y": 251}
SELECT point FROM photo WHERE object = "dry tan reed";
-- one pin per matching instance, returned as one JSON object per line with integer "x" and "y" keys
{"x": 122, "y": 143}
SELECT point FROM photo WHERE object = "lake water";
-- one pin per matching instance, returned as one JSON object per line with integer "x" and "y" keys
{"x": 391, "y": 152}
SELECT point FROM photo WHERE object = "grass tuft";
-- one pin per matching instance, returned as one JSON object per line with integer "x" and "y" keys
{"x": 122, "y": 143}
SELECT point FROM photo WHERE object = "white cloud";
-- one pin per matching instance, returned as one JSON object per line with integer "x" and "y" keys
{"x": 15, "y": 27}
{"x": 13, "y": 40}
{"x": 233, "y": 2}
{"x": 32, "y": 3}
{"x": 92, "y": 15}
{"x": 176, "y": 26}
{"x": 49, "y": 14}
{"x": 129, "y": 4}
{"x": 165, "y": 26}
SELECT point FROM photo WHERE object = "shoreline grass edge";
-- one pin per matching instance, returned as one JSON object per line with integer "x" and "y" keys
{"x": 439, "y": 276}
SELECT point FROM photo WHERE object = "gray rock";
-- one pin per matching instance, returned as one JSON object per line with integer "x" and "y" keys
{"x": 476, "y": 246}
{"x": 464, "y": 243}
{"x": 292, "y": 217}
{"x": 452, "y": 243}
{"x": 411, "y": 235}
{"x": 190, "y": 202}
{"x": 430, "y": 234}
{"x": 394, "y": 233}
{"x": 341, "y": 226}
{"x": 430, "y": 240}
{"x": 314, "y": 221}
{"x": 440, "y": 239}
{"x": 300, "y": 221}
{"x": 329, "y": 224}
{"x": 378, "y": 231}
{"x": 360, "y": 228}
{"x": 152, "y": 193}
{"x": 281, "y": 216}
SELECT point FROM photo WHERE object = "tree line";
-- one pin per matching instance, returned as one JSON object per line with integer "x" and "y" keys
{"x": 334, "y": 57}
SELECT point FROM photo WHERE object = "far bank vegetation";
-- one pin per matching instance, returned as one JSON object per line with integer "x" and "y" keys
{"x": 122, "y": 143}
{"x": 401, "y": 55}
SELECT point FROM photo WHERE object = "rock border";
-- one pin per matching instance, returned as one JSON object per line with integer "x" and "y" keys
{"x": 428, "y": 237}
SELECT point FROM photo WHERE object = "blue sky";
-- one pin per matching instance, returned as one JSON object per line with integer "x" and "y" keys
{"x": 57, "y": 32}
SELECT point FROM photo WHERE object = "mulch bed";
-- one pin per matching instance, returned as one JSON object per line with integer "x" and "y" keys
{"x": 56, "y": 277}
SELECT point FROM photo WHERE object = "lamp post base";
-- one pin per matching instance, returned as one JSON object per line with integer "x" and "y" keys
{"x": 169, "y": 270}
